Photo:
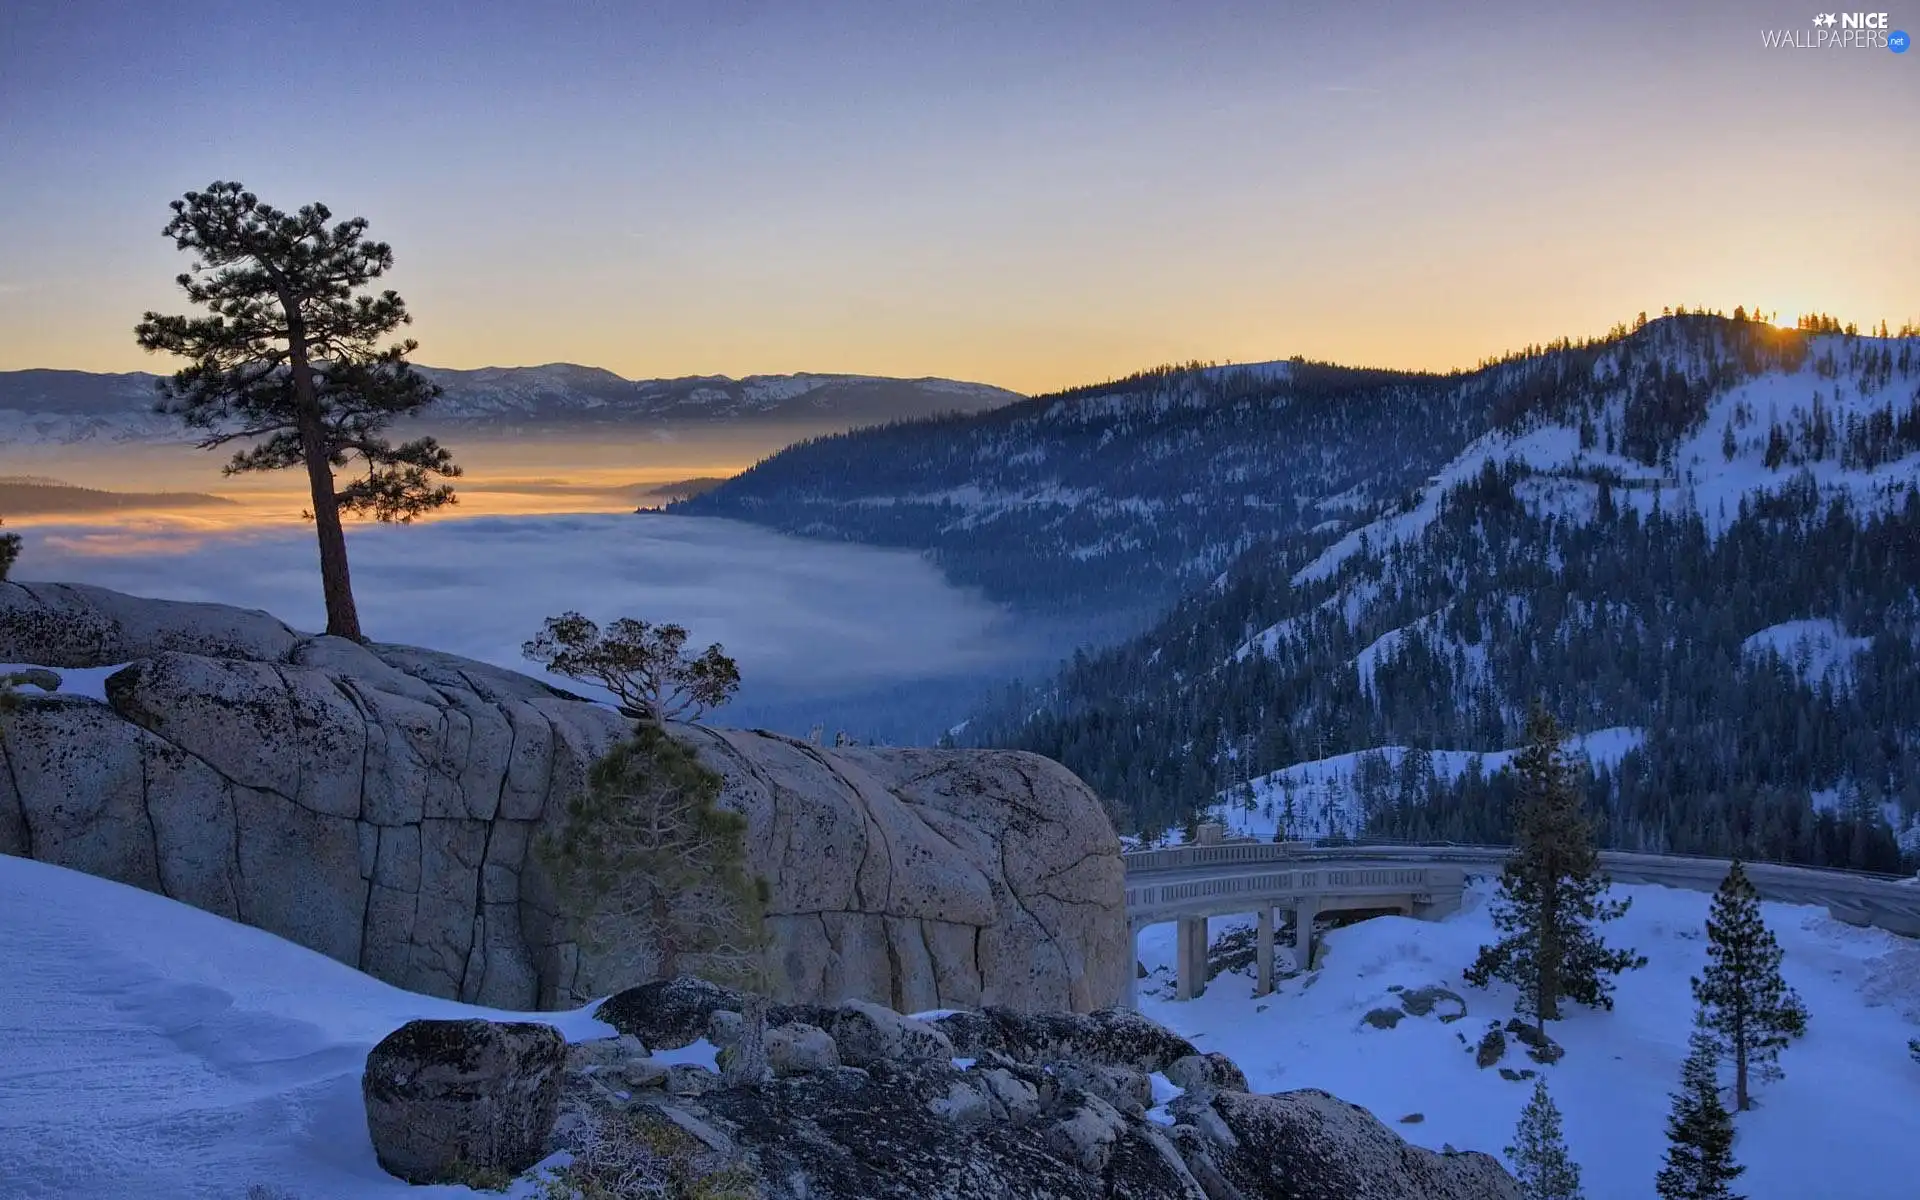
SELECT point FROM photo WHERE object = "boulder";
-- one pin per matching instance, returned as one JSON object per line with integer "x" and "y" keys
{"x": 384, "y": 805}
{"x": 1308, "y": 1145}
{"x": 1209, "y": 1072}
{"x": 799, "y": 1047}
{"x": 867, "y": 1033}
{"x": 456, "y": 1101}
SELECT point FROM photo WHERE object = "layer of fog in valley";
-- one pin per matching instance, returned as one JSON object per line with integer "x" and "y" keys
{"x": 874, "y": 643}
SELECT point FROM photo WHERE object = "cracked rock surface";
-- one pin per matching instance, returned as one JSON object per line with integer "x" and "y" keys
{"x": 380, "y": 803}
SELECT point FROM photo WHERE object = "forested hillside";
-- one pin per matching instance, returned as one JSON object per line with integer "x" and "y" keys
{"x": 1704, "y": 534}
{"x": 1106, "y": 503}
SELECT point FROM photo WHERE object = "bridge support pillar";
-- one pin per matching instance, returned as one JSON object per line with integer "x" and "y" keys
{"x": 1305, "y": 909}
{"x": 1132, "y": 998}
{"x": 1263, "y": 952}
{"x": 1191, "y": 958}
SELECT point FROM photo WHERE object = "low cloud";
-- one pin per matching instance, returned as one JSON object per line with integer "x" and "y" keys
{"x": 803, "y": 619}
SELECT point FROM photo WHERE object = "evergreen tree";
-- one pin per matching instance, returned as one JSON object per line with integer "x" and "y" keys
{"x": 1551, "y": 891}
{"x": 1748, "y": 1007}
{"x": 290, "y": 359}
{"x": 1699, "y": 1130}
{"x": 1539, "y": 1153}
{"x": 9, "y": 552}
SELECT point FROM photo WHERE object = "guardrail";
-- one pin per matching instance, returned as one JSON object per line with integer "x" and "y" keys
{"x": 1175, "y": 877}
{"x": 1184, "y": 858}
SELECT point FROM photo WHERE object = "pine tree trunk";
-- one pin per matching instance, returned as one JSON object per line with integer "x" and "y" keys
{"x": 1740, "y": 1071}
{"x": 336, "y": 582}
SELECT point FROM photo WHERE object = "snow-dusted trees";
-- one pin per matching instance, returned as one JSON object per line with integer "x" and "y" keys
{"x": 1551, "y": 892}
{"x": 645, "y": 666}
{"x": 1699, "y": 1162}
{"x": 1751, "y": 1012}
{"x": 1539, "y": 1152}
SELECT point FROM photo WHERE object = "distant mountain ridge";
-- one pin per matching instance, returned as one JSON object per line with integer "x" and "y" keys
{"x": 57, "y": 407}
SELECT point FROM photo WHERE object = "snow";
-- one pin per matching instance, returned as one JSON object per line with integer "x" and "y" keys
{"x": 702, "y": 1053}
{"x": 1700, "y": 478}
{"x": 1813, "y": 650}
{"x": 1164, "y": 1093}
{"x": 155, "y": 1050}
{"x": 1842, "y": 1123}
{"x": 90, "y": 682}
{"x": 1325, "y": 803}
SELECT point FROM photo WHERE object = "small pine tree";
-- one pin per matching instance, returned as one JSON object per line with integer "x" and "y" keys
{"x": 1699, "y": 1129}
{"x": 1550, "y": 892}
{"x": 1539, "y": 1153}
{"x": 647, "y": 857}
{"x": 1749, "y": 1008}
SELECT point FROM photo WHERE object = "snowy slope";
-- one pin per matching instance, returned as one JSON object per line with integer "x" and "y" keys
{"x": 1814, "y": 650}
{"x": 1843, "y": 1125}
{"x": 1699, "y": 476}
{"x": 157, "y": 1051}
{"x": 1324, "y": 792}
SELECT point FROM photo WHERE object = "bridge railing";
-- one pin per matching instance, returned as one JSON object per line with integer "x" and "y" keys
{"x": 1250, "y": 852}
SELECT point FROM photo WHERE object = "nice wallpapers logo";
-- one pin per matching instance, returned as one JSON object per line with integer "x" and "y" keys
{"x": 1840, "y": 31}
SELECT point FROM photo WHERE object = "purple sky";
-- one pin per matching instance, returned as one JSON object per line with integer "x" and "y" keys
{"x": 1031, "y": 194}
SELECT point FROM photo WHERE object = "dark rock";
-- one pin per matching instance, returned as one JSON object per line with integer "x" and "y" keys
{"x": 1308, "y": 1145}
{"x": 1109, "y": 1037}
{"x": 1051, "y": 1106}
{"x": 669, "y": 1013}
{"x": 1418, "y": 1002}
{"x": 1383, "y": 1018}
{"x": 1492, "y": 1048}
{"x": 855, "y": 1135}
{"x": 1513, "y": 1076}
{"x": 449, "y": 1101}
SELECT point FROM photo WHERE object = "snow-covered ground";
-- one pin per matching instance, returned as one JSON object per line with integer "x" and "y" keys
{"x": 1843, "y": 1125}
{"x": 149, "y": 1049}
{"x": 157, "y": 1051}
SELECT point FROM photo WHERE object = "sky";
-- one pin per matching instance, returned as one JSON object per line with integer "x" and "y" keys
{"x": 1027, "y": 194}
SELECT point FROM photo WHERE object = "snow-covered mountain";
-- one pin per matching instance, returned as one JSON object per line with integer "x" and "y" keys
{"x": 45, "y": 407}
{"x": 1706, "y": 531}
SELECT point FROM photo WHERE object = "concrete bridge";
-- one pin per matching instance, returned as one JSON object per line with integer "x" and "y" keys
{"x": 1189, "y": 884}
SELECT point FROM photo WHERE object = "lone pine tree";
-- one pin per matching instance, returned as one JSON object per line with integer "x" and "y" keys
{"x": 1550, "y": 895}
{"x": 9, "y": 552}
{"x": 1749, "y": 1009}
{"x": 290, "y": 359}
{"x": 1699, "y": 1162}
{"x": 1539, "y": 1152}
